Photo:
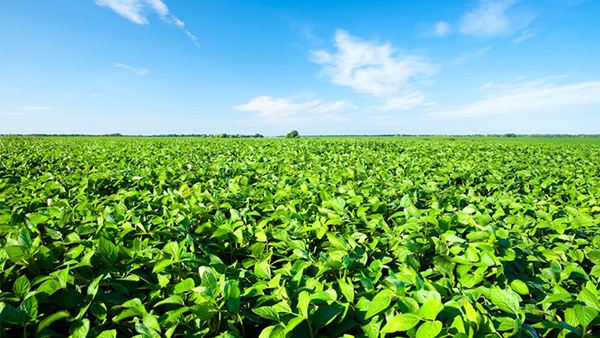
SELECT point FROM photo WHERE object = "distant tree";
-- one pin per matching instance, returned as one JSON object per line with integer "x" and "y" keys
{"x": 292, "y": 134}
{"x": 509, "y": 135}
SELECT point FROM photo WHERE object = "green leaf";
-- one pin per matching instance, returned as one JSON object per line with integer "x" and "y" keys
{"x": 430, "y": 309}
{"x": 325, "y": 315}
{"x": 185, "y": 286}
{"x": 107, "y": 334}
{"x": 401, "y": 322}
{"x": 380, "y": 302}
{"x": 262, "y": 270}
{"x": 589, "y": 298}
{"x": 80, "y": 328}
{"x": 161, "y": 265}
{"x": 44, "y": 258}
{"x": 30, "y": 306}
{"x": 271, "y": 331}
{"x": 47, "y": 289}
{"x": 56, "y": 316}
{"x": 347, "y": 290}
{"x": 151, "y": 322}
{"x": 594, "y": 256}
{"x": 303, "y": 302}
{"x": 293, "y": 323}
{"x": 505, "y": 300}
{"x": 429, "y": 329}
{"x": 17, "y": 253}
{"x": 372, "y": 328}
{"x": 108, "y": 251}
{"x": 98, "y": 309}
{"x": 267, "y": 312}
{"x": 585, "y": 314}
{"x": 204, "y": 310}
{"x": 21, "y": 287}
{"x": 11, "y": 315}
{"x": 520, "y": 287}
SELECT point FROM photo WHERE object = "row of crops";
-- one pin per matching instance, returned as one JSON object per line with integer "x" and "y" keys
{"x": 367, "y": 238}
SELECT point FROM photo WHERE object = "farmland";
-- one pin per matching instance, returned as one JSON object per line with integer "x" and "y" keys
{"x": 118, "y": 237}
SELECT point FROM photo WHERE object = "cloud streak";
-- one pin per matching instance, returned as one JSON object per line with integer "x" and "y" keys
{"x": 269, "y": 107}
{"x": 467, "y": 57}
{"x": 439, "y": 29}
{"x": 493, "y": 18}
{"x": 139, "y": 71}
{"x": 537, "y": 96}
{"x": 136, "y": 11}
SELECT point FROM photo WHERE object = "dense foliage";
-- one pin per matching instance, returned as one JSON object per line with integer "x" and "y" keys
{"x": 118, "y": 237}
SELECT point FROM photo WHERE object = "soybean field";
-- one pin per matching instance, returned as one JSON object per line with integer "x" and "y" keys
{"x": 310, "y": 237}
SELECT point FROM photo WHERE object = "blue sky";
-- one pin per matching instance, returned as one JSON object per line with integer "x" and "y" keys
{"x": 321, "y": 67}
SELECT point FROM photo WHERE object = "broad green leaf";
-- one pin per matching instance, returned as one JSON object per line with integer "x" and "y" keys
{"x": 56, "y": 316}
{"x": 11, "y": 315}
{"x": 185, "y": 286}
{"x": 204, "y": 310}
{"x": 325, "y": 315}
{"x": 108, "y": 251}
{"x": 430, "y": 309}
{"x": 80, "y": 328}
{"x": 585, "y": 314}
{"x": 520, "y": 287}
{"x": 303, "y": 302}
{"x": 400, "y": 322}
{"x": 262, "y": 270}
{"x": 267, "y": 312}
{"x": 380, "y": 302}
{"x": 30, "y": 306}
{"x": 347, "y": 290}
{"x": 505, "y": 300}
{"x": 21, "y": 286}
{"x": 429, "y": 329}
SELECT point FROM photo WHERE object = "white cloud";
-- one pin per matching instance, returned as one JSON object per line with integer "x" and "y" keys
{"x": 438, "y": 29}
{"x": 492, "y": 18}
{"x": 136, "y": 11}
{"x": 370, "y": 68}
{"x": 545, "y": 95}
{"x": 139, "y": 71}
{"x": 404, "y": 102}
{"x": 441, "y": 28}
{"x": 266, "y": 106}
{"x": 526, "y": 34}
{"x": 36, "y": 108}
{"x": 467, "y": 57}
{"x": 281, "y": 114}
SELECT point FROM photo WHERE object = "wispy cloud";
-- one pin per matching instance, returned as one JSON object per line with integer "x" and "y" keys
{"x": 525, "y": 35}
{"x": 36, "y": 108}
{"x": 439, "y": 29}
{"x": 404, "y": 102}
{"x": 370, "y": 68}
{"x": 493, "y": 18}
{"x": 139, "y": 71}
{"x": 136, "y": 11}
{"x": 467, "y": 57}
{"x": 307, "y": 32}
{"x": 545, "y": 95}
{"x": 269, "y": 107}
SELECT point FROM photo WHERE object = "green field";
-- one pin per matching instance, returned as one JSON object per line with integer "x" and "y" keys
{"x": 312, "y": 237}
